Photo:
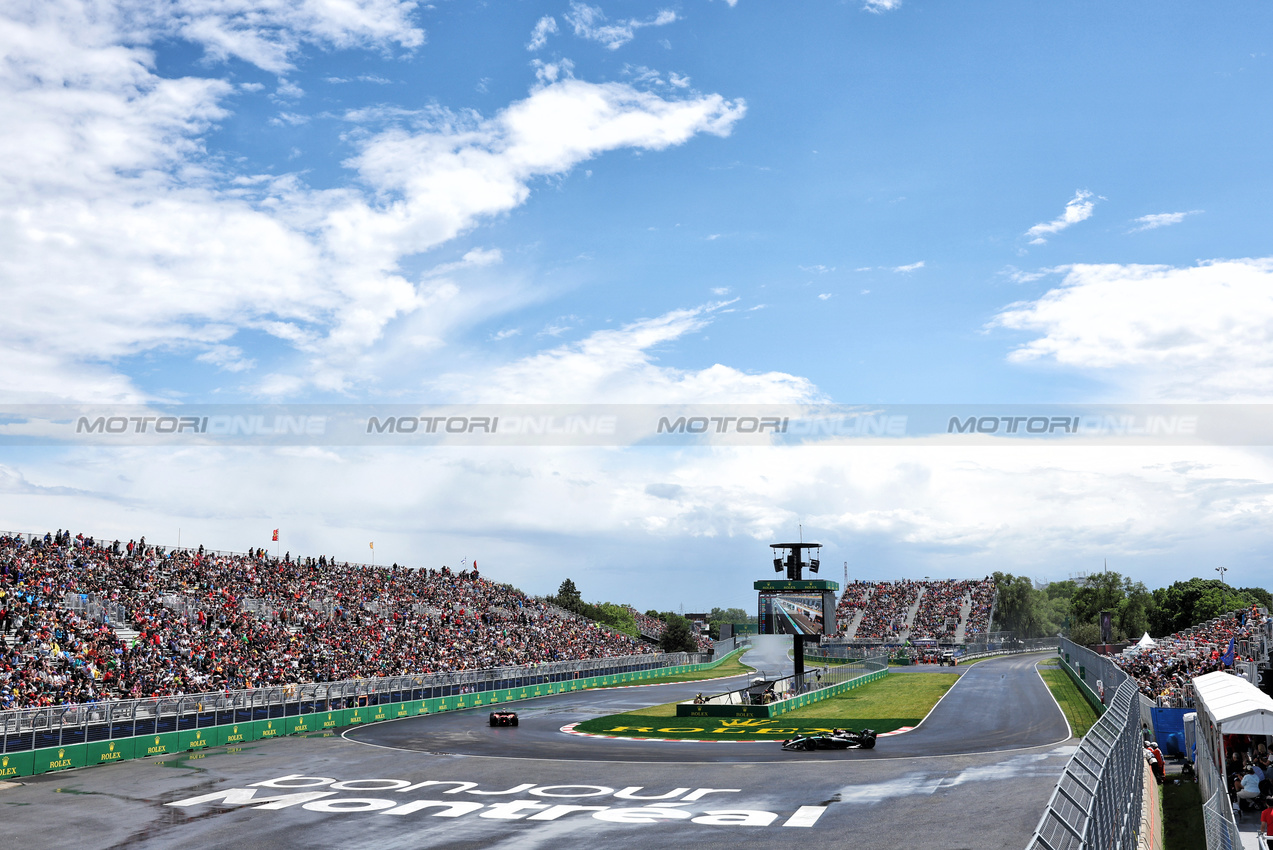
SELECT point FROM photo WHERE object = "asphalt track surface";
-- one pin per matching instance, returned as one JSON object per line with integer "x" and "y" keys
{"x": 976, "y": 773}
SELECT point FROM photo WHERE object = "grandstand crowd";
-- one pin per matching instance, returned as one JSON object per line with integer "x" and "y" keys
{"x": 1164, "y": 671}
{"x": 886, "y": 609}
{"x": 211, "y": 621}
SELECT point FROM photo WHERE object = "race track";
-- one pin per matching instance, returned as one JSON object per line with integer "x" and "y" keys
{"x": 976, "y": 773}
{"x": 972, "y": 718}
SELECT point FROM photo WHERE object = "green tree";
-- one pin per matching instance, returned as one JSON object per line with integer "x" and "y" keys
{"x": 678, "y": 637}
{"x": 1101, "y": 592}
{"x": 1019, "y": 606}
{"x": 1259, "y": 596}
{"x": 717, "y": 616}
{"x": 1057, "y": 608}
{"x": 568, "y": 595}
{"x": 1086, "y": 634}
{"x": 1188, "y": 603}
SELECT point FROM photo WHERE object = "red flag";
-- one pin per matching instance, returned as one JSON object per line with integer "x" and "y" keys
{"x": 276, "y": 535}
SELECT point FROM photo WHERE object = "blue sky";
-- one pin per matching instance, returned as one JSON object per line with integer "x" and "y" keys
{"x": 860, "y": 202}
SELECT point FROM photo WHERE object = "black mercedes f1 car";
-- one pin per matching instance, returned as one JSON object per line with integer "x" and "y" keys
{"x": 838, "y": 739}
{"x": 503, "y": 718}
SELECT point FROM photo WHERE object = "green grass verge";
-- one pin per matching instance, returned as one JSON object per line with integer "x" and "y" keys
{"x": 1078, "y": 711}
{"x": 884, "y": 705}
{"x": 1182, "y": 817}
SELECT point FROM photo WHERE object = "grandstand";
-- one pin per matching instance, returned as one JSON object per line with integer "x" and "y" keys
{"x": 1165, "y": 671}
{"x": 83, "y": 621}
{"x": 948, "y": 611}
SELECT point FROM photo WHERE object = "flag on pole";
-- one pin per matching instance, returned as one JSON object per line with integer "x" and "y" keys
{"x": 371, "y": 545}
{"x": 276, "y": 535}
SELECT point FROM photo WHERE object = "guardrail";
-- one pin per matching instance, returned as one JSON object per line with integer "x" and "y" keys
{"x": 1097, "y": 801}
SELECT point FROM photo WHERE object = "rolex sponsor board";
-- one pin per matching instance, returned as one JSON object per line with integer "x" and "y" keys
{"x": 59, "y": 758}
{"x": 106, "y": 752}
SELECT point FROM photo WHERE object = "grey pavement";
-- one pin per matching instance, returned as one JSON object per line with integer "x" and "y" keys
{"x": 976, "y": 773}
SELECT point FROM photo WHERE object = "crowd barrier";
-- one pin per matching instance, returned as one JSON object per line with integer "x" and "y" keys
{"x": 1217, "y": 810}
{"x": 34, "y": 741}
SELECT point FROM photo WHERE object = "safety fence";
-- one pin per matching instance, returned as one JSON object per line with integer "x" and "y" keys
{"x": 39, "y": 740}
{"x": 1097, "y": 802}
{"x": 1096, "y": 675}
{"x": 1217, "y": 810}
{"x": 1010, "y": 647}
{"x": 831, "y": 651}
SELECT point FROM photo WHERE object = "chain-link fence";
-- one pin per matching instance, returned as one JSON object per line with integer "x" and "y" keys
{"x": 1096, "y": 803}
{"x": 1217, "y": 810}
{"x": 835, "y": 649}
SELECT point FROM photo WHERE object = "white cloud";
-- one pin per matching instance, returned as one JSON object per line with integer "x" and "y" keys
{"x": 881, "y": 6}
{"x": 620, "y": 366}
{"x": 1016, "y": 275}
{"x": 544, "y": 27}
{"x": 266, "y": 34}
{"x": 650, "y": 77}
{"x": 288, "y": 90}
{"x": 1079, "y": 208}
{"x": 1195, "y": 333}
{"x": 1156, "y": 220}
{"x": 910, "y": 268}
{"x": 589, "y": 22}
{"x": 104, "y": 179}
{"x": 290, "y": 119}
{"x": 824, "y": 296}
{"x": 505, "y": 334}
{"x": 720, "y": 290}
{"x": 818, "y": 269}
{"x": 227, "y": 357}
{"x": 918, "y": 510}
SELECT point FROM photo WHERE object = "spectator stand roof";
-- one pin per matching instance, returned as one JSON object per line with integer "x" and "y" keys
{"x": 1234, "y": 705}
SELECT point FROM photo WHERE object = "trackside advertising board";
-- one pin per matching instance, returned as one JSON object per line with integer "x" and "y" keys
{"x": 31, "y": 762}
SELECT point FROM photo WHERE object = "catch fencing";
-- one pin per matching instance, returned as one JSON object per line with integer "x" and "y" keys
{"x": 1097, "y": 802}
{"x": 1217, "y": 810}
{"x": 831, "y": 650}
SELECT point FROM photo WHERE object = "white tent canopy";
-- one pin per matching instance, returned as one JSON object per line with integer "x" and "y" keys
{"x": 1234, "y": 705}
{"x": 1146, "y": 642}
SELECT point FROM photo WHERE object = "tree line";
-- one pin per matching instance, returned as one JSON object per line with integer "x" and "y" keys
{"x": 678, "y": 633}
{"x": 1074, "y": 608}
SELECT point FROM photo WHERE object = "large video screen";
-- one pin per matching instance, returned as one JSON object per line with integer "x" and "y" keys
{"x": 797, "y": 613}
